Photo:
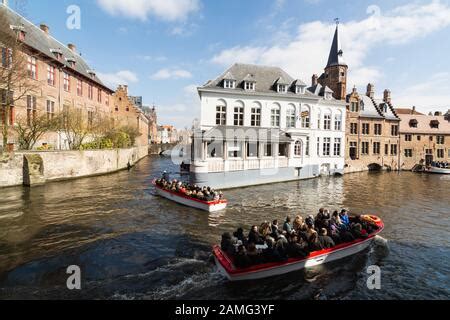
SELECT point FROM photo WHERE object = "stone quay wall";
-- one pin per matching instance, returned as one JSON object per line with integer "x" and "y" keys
{"x": 35, "y": 168}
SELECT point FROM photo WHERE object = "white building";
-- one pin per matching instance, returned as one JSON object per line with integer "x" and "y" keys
{"x": 260, "y": 125}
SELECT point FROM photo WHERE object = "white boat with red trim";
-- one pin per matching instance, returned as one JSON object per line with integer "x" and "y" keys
{"x": 210, "y": 206}
{"x": 225, "y": 263}
{"x": 438, "y": 170}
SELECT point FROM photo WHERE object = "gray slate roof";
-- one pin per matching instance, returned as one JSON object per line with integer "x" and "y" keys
{"x": 377, "y": 108}
{"x": 265, "y": 77}
{"x": 38, "y": 40}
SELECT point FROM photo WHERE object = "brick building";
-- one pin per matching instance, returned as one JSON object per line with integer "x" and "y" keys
{"x": 127, "y": 113}
{"x": 424, "y": 139}
{"x": 372, "y": 133}
{"x": 61, "y": 80}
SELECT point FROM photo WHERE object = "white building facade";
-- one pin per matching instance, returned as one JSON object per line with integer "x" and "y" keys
{"x": 259, "y": 125}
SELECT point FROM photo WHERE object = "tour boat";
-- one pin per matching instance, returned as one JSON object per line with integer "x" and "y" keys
{"x": 210, "y": 206}
{"x": 438, "y": 170}
{"x": 226, "y": 266}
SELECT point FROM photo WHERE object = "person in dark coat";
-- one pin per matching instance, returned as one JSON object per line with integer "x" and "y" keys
{"x": 325, "y": 241}
{"x": 255, "y": 237}
{"x": 242, "y": 260}
{"x": 295, "y": 250}
{"x": 228, "y": 243}
{"x": 275, "y": 231}
{"x": 313, "y": 243}
{"x": 239, "y": 234}
{"x": 271, "y": 254}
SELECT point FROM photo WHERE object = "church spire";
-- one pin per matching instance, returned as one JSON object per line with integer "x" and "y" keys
{"x": 336, "y": 54}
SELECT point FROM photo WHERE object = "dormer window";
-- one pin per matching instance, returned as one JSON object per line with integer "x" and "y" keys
{"x": 57, "y": 53}
{"x": 249, "y": 86}
{"x": 282, "y": 88}
{"x": 413, "y": 123}
{"x": 299, "y": 89}
{"x": 20, "y": 31}
{"x": 229, "y": 84}
{"x": 434, "y": 124}
{"x": 71, "y": 62}
{"x": 91, "y": 73}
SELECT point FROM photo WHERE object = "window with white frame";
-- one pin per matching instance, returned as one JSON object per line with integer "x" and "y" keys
{"x": 307, "y": 147}
{"x": 326, "y": 146}
{"x": 238, "y": 116}
{"x": 250, "y": 86}
{"x": 337, "y": 146}
{"x": 318, "y": 147}
{"x": 290, "y": 117}
{"x": 327, "y": 122}
{"x": 51, "y": 75}
{"x": 275, "y": 117}
{"x": 255, "y": 120}
{"x": 229, "y": 84}
{"x": 306, "y": 119}
{"x": 282, "y": 88}
{"x": 221, "y": 115}
{"x": 66, "y": 82}
{"x": 299, "y": 89}
{"x": 50, "y": 109}
{"x": 32, "y": 67}
{"x": 338, "y": 122}
{"x": 298, "y": 148}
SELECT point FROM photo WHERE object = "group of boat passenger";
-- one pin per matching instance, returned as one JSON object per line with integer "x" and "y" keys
{"x": 193, "y": 191}
{"x": 441, "y": 164}
{"x": 296, "y": 238}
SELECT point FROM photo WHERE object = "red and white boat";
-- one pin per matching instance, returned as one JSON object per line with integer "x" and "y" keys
{"x": 438, "y": 170}
{"x": 210, "y": 206}
{"x": 226, "y": 266}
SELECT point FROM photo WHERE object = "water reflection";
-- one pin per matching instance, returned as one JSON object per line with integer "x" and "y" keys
{"x": 132, "y": 244}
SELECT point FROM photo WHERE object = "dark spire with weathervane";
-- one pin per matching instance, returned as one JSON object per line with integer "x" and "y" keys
{"x": 335, "y": 76}
{"x": 336, "y": 57}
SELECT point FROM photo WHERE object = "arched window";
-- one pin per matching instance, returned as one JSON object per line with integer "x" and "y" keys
{"x": 290, "y": 116}
{"x": 275, "y": 115}
{"x": 221, "y": 113}
{"x": 306, "y": 117}
{"x": 239, "y": 113}
{"x": 255, "y": 120}
{"x": 298, "y": 148}
{"x": 338, "y": 121}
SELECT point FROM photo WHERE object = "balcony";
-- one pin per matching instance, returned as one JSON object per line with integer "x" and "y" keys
{"x": 220, "y": 165}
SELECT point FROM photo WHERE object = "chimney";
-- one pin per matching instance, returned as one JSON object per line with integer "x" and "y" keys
{"x": 413, "y": 110}
{"x": 438, "y": 114}
{"x": 72, "y": 47}
{"x": 45, "y": 28}
{"x": 370, "y": 90}
{"x": 315, "y": 80}
{"x": 387, "y": 96}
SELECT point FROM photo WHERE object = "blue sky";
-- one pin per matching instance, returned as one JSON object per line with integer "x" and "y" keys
{"x": 163, "y": 49}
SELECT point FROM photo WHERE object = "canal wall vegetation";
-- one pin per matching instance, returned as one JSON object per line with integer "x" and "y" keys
{"x": 35, "y": 168}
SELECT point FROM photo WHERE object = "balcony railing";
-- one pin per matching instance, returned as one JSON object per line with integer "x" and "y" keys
{"x": 220, "y": 165}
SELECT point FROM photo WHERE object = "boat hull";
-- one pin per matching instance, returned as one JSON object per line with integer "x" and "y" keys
{"x": 438, "y": 170}
{"x": 193, "y": 203}
{"x": 295, "y": 266}
{"x": 226, "y": 266}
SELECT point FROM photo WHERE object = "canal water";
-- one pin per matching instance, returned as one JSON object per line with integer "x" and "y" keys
{"x": 130, "y": 244}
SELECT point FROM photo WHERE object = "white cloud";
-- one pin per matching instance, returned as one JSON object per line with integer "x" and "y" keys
{"x": 169, "y": 10}
{"x": 432, "y": 94}
{"x": 122, "y": 77}
{"x": 165, "y": 74}
{"x": 182, "y": 114}
{"x": 307, "y": 52}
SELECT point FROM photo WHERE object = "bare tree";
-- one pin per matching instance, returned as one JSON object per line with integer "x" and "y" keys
{"x": 15, "y": 81}
{"x": 78, "y": 128}
{"x": 30, "y": 129}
